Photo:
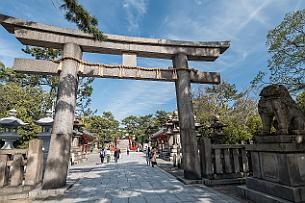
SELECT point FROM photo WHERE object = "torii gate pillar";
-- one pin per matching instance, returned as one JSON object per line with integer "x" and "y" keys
{"x": 186, "y": 119}
{"x": 58, "y": 161}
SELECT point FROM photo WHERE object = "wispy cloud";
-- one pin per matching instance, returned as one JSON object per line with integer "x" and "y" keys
{"x": 221, "y": 21}
{"x": 135, "y": 10}
{"x": 240, "y": 21}
{"x": 255, "y": 13}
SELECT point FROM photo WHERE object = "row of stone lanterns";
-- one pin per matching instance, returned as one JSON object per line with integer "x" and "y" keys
{"x": 10, "y": 125}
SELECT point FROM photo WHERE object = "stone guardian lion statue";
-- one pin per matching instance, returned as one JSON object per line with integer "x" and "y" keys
{"x": 276, "y": 107}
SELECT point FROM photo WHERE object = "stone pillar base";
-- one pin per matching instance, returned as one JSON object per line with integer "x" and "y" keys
{"x": 257, "y": 196}
{"x": 296, "y": 194}
{"x": 173, "y": 154}
{"x": 278, "y": 170}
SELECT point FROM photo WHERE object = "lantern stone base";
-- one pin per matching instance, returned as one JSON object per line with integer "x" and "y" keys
{"x": 278, "y": 170}
{"x": 9, "y": 138}
{"x": 165, "y": 154}
{"x": 173, "y": 153}
{"x": 8, "y": 145}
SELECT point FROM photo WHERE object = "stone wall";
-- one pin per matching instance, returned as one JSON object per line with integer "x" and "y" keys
{"x": 21, "y": 167}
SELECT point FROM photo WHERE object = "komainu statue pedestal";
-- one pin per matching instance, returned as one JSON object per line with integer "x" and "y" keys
{"x": 278, "y": 170}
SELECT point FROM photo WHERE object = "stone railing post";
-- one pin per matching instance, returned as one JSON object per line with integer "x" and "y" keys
{"x": 206, "y": 157}
{"x": 3, "y": 169}
{"x": 59, "y": 152}
{"x": 186, "y": 119}
{"x": 16, "y": 170}
{"x": 34, "y": 168}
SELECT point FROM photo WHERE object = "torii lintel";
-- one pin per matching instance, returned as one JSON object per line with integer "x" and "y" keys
{"x": 37, "y": 34}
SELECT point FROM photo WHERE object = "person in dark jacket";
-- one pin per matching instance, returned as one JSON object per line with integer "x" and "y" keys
{"x": 116, "y": 154}
{"x": 102, "y": 155}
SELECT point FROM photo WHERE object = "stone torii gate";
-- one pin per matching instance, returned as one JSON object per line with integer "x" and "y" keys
{"x": 71, "y": 66}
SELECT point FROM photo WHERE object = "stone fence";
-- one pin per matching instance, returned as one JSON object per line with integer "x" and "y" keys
{"x": 78, "y": 156}
{"x": 224, "y": 163}
{"x": 22, "y": 167}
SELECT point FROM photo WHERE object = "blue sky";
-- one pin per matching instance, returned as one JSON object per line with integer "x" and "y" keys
{"x": 243, "y": 22}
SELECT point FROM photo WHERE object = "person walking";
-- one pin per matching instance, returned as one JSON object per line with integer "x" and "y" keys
{"x": 108, "y": 155}
{"x": 148, "y": 156}
{"x": 102, "y": 155}
{"x": 117, "y": 154}
{"x": 128, "y": 151}
{"x": 153, "y": 158}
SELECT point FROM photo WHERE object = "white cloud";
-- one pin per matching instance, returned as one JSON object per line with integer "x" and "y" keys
{"x": 139, "y": 5}
{"x": 242, "y": 22}
{"x": 228, "y": 24}
{"x": 222, "y": 21}
{"x": 255, "y": 13}
{"x": 135, "y": 9}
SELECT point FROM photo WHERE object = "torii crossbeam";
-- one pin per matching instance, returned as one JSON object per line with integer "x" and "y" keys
{"x": 71, "y": 66}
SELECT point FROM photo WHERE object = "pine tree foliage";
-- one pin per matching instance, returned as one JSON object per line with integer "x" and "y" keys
{"x": 84, "y": 21}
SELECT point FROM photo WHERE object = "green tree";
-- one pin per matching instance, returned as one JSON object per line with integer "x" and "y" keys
{"x": 131, "y": 124}
{"x": 50, "y": 82}
{"x": 84, "y": 93}
{"x": 286, "y": 44}
{"x": 214, "y": 100}
{"x": 21, "y": 91}
{"x": 301, "y": 101}
{"x": 30, "y": 103}
{"x": 144, "y": 126}
{"x": 223, "y": 93}
{"x": 160, "y": 118}
{"x": 105, "y": 126}
{"x": 236, "y": 110}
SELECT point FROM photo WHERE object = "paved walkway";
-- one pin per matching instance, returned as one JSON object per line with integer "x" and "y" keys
{"x": 131, "y": 181}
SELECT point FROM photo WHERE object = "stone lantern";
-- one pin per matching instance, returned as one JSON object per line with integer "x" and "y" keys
{"x": 197, "y": 127}
{"x": 77, "y": 132}
{"x": 176, "y": 148}
{"x": 46, "y": 124}
{"x": 217, "y": 129}
{"x": 176, "y": 130}
{"x": 10, "y": 125}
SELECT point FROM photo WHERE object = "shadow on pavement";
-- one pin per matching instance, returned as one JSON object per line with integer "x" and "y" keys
{"x": 131, "y": 180}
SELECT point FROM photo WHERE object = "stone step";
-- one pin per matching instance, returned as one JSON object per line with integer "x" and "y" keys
{"x": 17, "y": 197}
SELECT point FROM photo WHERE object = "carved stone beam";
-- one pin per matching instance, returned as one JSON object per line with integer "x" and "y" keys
{"x": 32, "y": 66}
{"x": 37, "y": 34}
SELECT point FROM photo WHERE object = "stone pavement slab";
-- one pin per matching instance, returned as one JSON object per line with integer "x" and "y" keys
{"x": 131, "y": 181}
